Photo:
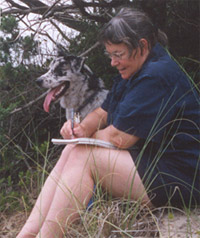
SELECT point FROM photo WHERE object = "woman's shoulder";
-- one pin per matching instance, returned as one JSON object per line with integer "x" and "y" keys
{"x": 160, "y": 63}
{"x": 162, "y": 68}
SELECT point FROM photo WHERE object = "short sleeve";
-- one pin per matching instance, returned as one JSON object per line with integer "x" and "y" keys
{"x": 106, "y": 102}
{"x": 114, "y": 94}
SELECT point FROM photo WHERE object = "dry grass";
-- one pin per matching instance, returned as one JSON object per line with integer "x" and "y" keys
{"x": 114, "y": 219}
{"x": 11, "y": 223}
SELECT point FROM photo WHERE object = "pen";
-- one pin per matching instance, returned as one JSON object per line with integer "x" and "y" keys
{"x": 72, "y": 121}
{"x": 70, "y": 116}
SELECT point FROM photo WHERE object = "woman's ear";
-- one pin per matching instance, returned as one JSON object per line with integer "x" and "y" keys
{"x": 144, "y": 46}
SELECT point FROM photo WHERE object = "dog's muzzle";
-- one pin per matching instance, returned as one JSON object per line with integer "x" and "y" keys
{"x": 54, "y": 93}
{"x": 39, "y": 81}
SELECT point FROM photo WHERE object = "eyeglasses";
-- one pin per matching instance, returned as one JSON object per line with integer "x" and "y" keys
{"x": 115, "y": 55}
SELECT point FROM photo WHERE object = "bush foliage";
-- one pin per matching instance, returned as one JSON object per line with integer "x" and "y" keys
{"x": 24, "y": 135}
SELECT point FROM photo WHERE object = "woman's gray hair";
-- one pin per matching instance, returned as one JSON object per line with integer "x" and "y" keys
{"x": 129, "y": 26}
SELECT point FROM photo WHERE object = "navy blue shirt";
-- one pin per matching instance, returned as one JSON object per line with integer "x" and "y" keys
{"x": 159, "y": 105}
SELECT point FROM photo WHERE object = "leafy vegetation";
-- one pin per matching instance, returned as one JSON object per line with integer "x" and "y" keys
{"x": 26, "y": 156}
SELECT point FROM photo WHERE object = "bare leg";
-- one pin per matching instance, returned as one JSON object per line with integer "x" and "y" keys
{"x": 45, "y": 198}
{"x": 116, "y": 171}
{"x": 117, "y": 174}
{"x": 72, "y": 194}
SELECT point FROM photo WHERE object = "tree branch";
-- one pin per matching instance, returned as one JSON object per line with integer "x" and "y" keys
{"x": 29, "y": 104}
{"x": 90, "y": 49}
{"x": 60, "y": 31}
{"x": 34, "y": 3}
{"x": 14, "y": 4}
{"x": 38, "y": 32}
{"x": 48, "y": 12}
{"x": 81, "y": 6}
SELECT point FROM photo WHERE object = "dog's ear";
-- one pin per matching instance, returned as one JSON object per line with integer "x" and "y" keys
{"x": 61, "y": 51}
{"x": 77, "y": 64}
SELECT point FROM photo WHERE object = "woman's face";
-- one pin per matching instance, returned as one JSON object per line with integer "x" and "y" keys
{"x": 126, "y": 64}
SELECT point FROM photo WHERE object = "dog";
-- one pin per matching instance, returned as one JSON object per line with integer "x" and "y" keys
{"x": 71, "y": 81}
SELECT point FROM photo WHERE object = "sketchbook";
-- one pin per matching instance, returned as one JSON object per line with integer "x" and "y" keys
{"x": 84, "y": 141}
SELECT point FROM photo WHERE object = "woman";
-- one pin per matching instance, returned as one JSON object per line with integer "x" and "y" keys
{"x": 151, "y": 115}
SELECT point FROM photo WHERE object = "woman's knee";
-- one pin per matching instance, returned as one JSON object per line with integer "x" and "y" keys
{"x": 76, "y": 158}
{"x": 80, "y": 152}
{"x": 66, "y": 151}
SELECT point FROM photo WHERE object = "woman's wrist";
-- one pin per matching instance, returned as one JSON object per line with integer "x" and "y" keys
{"x": 85, "y": 130}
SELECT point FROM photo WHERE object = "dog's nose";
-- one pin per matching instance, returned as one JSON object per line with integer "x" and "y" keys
{"x": 39, "y": 81}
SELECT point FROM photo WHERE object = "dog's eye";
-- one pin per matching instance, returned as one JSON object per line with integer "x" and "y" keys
{"x": 58, "y": 71}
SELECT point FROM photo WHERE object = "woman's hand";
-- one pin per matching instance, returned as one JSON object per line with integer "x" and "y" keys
{"x": 93, "y": 121}
{"x": 67, "y": 132}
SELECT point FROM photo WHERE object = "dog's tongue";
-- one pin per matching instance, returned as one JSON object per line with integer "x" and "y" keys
{"x": 50, "y": 96}
{"x": 48, "y": 100}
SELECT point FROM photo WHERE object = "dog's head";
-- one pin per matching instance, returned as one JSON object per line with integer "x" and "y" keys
{"x": 62, "y": 71}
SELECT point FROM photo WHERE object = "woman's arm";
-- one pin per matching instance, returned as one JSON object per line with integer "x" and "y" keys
{"x": 94, "y": 125}
{"x": 93, "y": 122}
{"x": 119, "y": 138}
